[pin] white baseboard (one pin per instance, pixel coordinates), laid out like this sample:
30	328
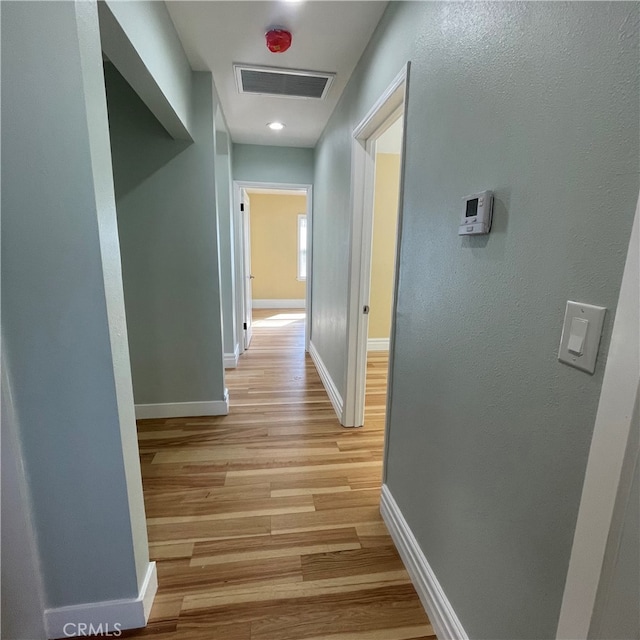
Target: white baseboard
183	409
104	618
231	359
434	600
378	344
327	381
279	304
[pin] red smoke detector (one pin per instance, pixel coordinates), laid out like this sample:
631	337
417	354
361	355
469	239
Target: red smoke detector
278	40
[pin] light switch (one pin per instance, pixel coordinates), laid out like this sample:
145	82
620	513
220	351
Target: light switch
577	335
581	335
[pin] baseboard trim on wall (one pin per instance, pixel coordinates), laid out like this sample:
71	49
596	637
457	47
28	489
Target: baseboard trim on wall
443	618
279	304
104	618
231	359
378	344
183	409
327	380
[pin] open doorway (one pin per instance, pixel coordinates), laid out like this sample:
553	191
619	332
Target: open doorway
376	187
386	197
274	222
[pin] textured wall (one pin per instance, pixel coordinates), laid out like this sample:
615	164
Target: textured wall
166	202
65	336
22	606
226	233
274	246
287	165
141	42
383	248
388	52
489	434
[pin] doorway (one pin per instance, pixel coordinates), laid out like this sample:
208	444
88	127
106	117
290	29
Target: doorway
386	198
273	270
387	116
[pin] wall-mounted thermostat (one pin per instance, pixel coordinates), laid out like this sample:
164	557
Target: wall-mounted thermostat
477	214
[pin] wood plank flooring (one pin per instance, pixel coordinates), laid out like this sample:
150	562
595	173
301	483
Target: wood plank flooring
265	523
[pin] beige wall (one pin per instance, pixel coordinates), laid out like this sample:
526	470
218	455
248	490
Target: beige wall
385	220
274	246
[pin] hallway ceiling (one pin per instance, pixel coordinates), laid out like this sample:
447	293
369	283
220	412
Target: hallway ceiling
327	36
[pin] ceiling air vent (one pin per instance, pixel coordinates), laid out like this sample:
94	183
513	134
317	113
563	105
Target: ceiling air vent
284	83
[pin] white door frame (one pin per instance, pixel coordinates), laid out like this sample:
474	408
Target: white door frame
238	185
606	456
391	104
247	285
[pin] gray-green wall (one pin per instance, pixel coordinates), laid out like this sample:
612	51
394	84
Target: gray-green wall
489	434
256	163
63	326
226	236
22	606
166	203
140	40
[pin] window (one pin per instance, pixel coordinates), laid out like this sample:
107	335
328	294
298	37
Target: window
302	247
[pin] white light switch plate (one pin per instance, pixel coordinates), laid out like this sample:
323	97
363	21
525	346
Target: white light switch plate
595	317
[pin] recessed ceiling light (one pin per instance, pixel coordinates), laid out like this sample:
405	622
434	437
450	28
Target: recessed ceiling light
276	126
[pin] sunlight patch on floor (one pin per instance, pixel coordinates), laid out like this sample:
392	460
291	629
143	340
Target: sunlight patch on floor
279	320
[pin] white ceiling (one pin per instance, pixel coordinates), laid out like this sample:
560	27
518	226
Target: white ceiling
327	36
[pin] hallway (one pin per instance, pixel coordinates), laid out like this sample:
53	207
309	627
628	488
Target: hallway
265	523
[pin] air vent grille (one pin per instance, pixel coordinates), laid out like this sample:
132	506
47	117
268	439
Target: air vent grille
284	83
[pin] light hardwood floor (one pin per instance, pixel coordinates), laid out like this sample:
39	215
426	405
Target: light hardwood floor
265	523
